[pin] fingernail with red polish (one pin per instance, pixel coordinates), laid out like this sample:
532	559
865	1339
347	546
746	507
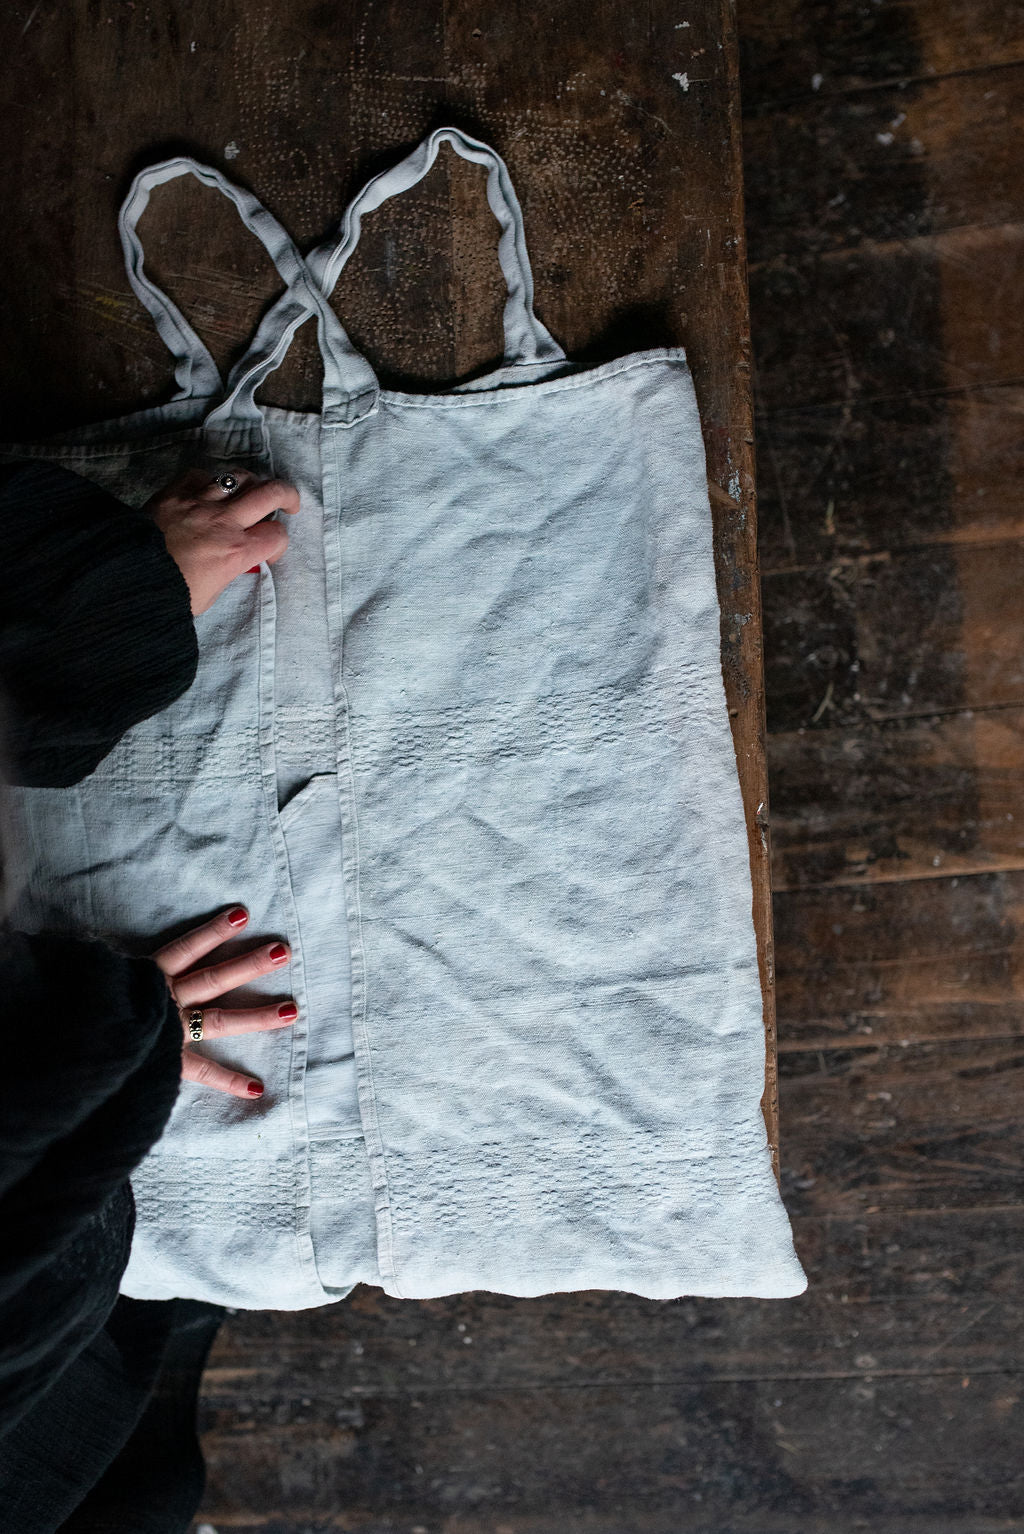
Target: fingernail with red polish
254	1089
238	917
254	571
278	953
289	1010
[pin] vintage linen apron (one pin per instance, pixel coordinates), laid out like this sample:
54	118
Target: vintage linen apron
467	748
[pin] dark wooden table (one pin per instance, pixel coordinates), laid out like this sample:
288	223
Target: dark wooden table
620	124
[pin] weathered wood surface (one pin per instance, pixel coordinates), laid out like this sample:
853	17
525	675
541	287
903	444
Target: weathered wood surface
937	796
690	1463
919	960
886	227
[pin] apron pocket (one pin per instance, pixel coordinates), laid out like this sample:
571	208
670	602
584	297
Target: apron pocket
311	825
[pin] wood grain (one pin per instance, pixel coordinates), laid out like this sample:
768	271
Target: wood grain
848	167
851	47
920	798
885	220
866	476
703	1457
896	634
932	958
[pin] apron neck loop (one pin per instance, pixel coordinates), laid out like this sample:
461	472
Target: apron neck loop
527	341
237	419
351	389
195	371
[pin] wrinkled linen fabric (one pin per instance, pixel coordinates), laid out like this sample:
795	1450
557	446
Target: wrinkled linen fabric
466	747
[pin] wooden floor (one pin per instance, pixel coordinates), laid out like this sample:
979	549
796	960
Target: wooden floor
885	211
886	238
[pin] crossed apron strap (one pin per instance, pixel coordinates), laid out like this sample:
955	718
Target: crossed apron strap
351	388
237	418
527	341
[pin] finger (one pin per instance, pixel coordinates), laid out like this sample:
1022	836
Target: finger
213	980
264	543
226	1022
208	1073
247	507
185	951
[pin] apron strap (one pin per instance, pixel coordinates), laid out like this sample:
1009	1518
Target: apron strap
195	371
229	425
527	341
351	389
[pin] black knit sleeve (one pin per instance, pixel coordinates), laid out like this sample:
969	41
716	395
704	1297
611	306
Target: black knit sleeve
96	627
92	1062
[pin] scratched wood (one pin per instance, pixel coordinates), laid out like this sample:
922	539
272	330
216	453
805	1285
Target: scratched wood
791	49
927	797
847	478
917	960
939	158
835	656
885	218
691	1463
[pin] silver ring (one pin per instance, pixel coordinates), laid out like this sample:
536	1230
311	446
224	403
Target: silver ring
194	1023
227	482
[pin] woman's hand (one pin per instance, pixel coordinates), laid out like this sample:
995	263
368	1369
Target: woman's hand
213	535
192	988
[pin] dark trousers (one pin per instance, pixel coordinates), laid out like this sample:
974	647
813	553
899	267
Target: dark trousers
112	1447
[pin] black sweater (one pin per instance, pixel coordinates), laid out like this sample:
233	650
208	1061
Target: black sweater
96	634
95	623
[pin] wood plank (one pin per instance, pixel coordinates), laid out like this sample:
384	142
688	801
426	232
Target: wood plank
901	800
905	1125
596	1523
710	1457
891	475
854	47
836	170
912	1293
874	320
894	635
937	959
889	425
824	1338
906	1259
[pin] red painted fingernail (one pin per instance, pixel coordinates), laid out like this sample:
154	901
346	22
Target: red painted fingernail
238	917
278	953
289	1010
255	1089
254	571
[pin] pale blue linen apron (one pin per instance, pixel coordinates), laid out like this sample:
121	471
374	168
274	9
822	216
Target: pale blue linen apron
467	748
